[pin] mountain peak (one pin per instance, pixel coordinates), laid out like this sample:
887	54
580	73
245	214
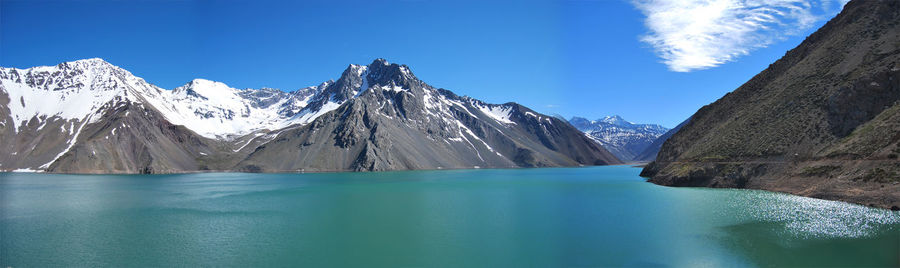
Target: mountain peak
578	118
615	120
379	61
356	79
354	71
382	65
85	64
580	123
89	60
382	72
202	88
201	81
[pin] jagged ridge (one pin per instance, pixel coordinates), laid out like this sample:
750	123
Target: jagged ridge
374	117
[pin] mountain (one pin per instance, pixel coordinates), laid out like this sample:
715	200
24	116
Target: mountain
623	139
649	153
89	116
823	121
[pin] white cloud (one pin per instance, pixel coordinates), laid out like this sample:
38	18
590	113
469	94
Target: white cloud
699	34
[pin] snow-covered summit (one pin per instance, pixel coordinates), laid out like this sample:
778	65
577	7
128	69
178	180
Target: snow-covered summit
213	109
615	120
72	90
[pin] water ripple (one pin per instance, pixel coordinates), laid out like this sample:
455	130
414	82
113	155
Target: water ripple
805	217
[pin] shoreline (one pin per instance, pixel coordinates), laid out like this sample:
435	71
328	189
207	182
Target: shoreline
299	172
841	183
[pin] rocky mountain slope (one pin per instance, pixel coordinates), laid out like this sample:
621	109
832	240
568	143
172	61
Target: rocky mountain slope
822	121
89	116
623	139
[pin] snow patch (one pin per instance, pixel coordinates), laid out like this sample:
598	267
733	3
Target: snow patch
308	116
499	113
393	88
249	141
71	143
363	73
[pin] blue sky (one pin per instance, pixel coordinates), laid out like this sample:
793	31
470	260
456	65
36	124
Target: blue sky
574	58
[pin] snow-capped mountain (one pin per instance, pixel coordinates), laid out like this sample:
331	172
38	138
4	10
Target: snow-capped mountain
91	116
383	118
624	139
74	90
68	91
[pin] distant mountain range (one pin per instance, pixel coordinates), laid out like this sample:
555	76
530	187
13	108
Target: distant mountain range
89	116
823	121
623	139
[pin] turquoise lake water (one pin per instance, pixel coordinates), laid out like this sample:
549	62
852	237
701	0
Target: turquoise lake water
595	216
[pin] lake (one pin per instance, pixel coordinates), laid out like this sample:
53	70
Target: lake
593	216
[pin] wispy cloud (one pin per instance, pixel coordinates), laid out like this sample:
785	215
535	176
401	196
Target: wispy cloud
699	34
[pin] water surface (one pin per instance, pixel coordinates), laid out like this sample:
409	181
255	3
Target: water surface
597	216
